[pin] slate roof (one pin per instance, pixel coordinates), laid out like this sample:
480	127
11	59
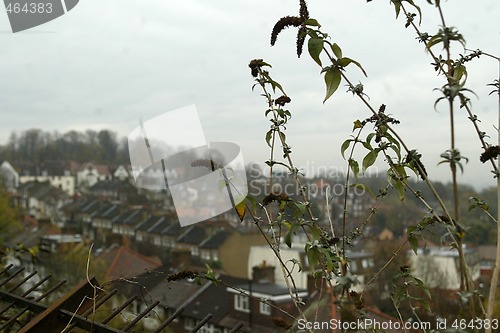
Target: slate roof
41	190
215	241
194	235
129	217
213	299
152	222
108	211
49	168
266	288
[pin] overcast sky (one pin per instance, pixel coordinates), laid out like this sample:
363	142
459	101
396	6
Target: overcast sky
106	63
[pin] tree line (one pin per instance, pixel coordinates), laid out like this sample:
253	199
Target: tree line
38	146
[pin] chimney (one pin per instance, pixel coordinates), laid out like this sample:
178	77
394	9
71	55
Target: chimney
181	258
263	273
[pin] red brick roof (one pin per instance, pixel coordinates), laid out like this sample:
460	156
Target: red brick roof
122	262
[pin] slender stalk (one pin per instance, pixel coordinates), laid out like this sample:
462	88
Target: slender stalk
496	270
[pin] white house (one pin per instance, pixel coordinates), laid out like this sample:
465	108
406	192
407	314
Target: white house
439	267
9	176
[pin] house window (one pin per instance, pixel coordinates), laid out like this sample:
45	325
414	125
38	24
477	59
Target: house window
205	254
354	266
209	328
189	323
242	303
265	309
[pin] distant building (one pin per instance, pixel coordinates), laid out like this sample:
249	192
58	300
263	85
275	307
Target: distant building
57	173
42	200
439	267
88	174
9	176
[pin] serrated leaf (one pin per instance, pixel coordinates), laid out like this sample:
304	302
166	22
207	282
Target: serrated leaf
344	147
337	50
315	46
369	159
332	80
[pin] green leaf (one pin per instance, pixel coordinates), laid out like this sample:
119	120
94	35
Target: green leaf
344	147
353	164
269	136
241	209
312	22
313	255
337	50
315	232
418	9
399	295
411	229
400	187
210	275
363	187
344	62
357	124
369	137
397	5
315	46
300	207
291	232
367	146
275	85
369	159
413	243
332	80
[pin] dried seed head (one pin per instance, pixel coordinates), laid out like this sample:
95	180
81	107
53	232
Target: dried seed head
490	153
281	101
304	13
284	22
281	323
